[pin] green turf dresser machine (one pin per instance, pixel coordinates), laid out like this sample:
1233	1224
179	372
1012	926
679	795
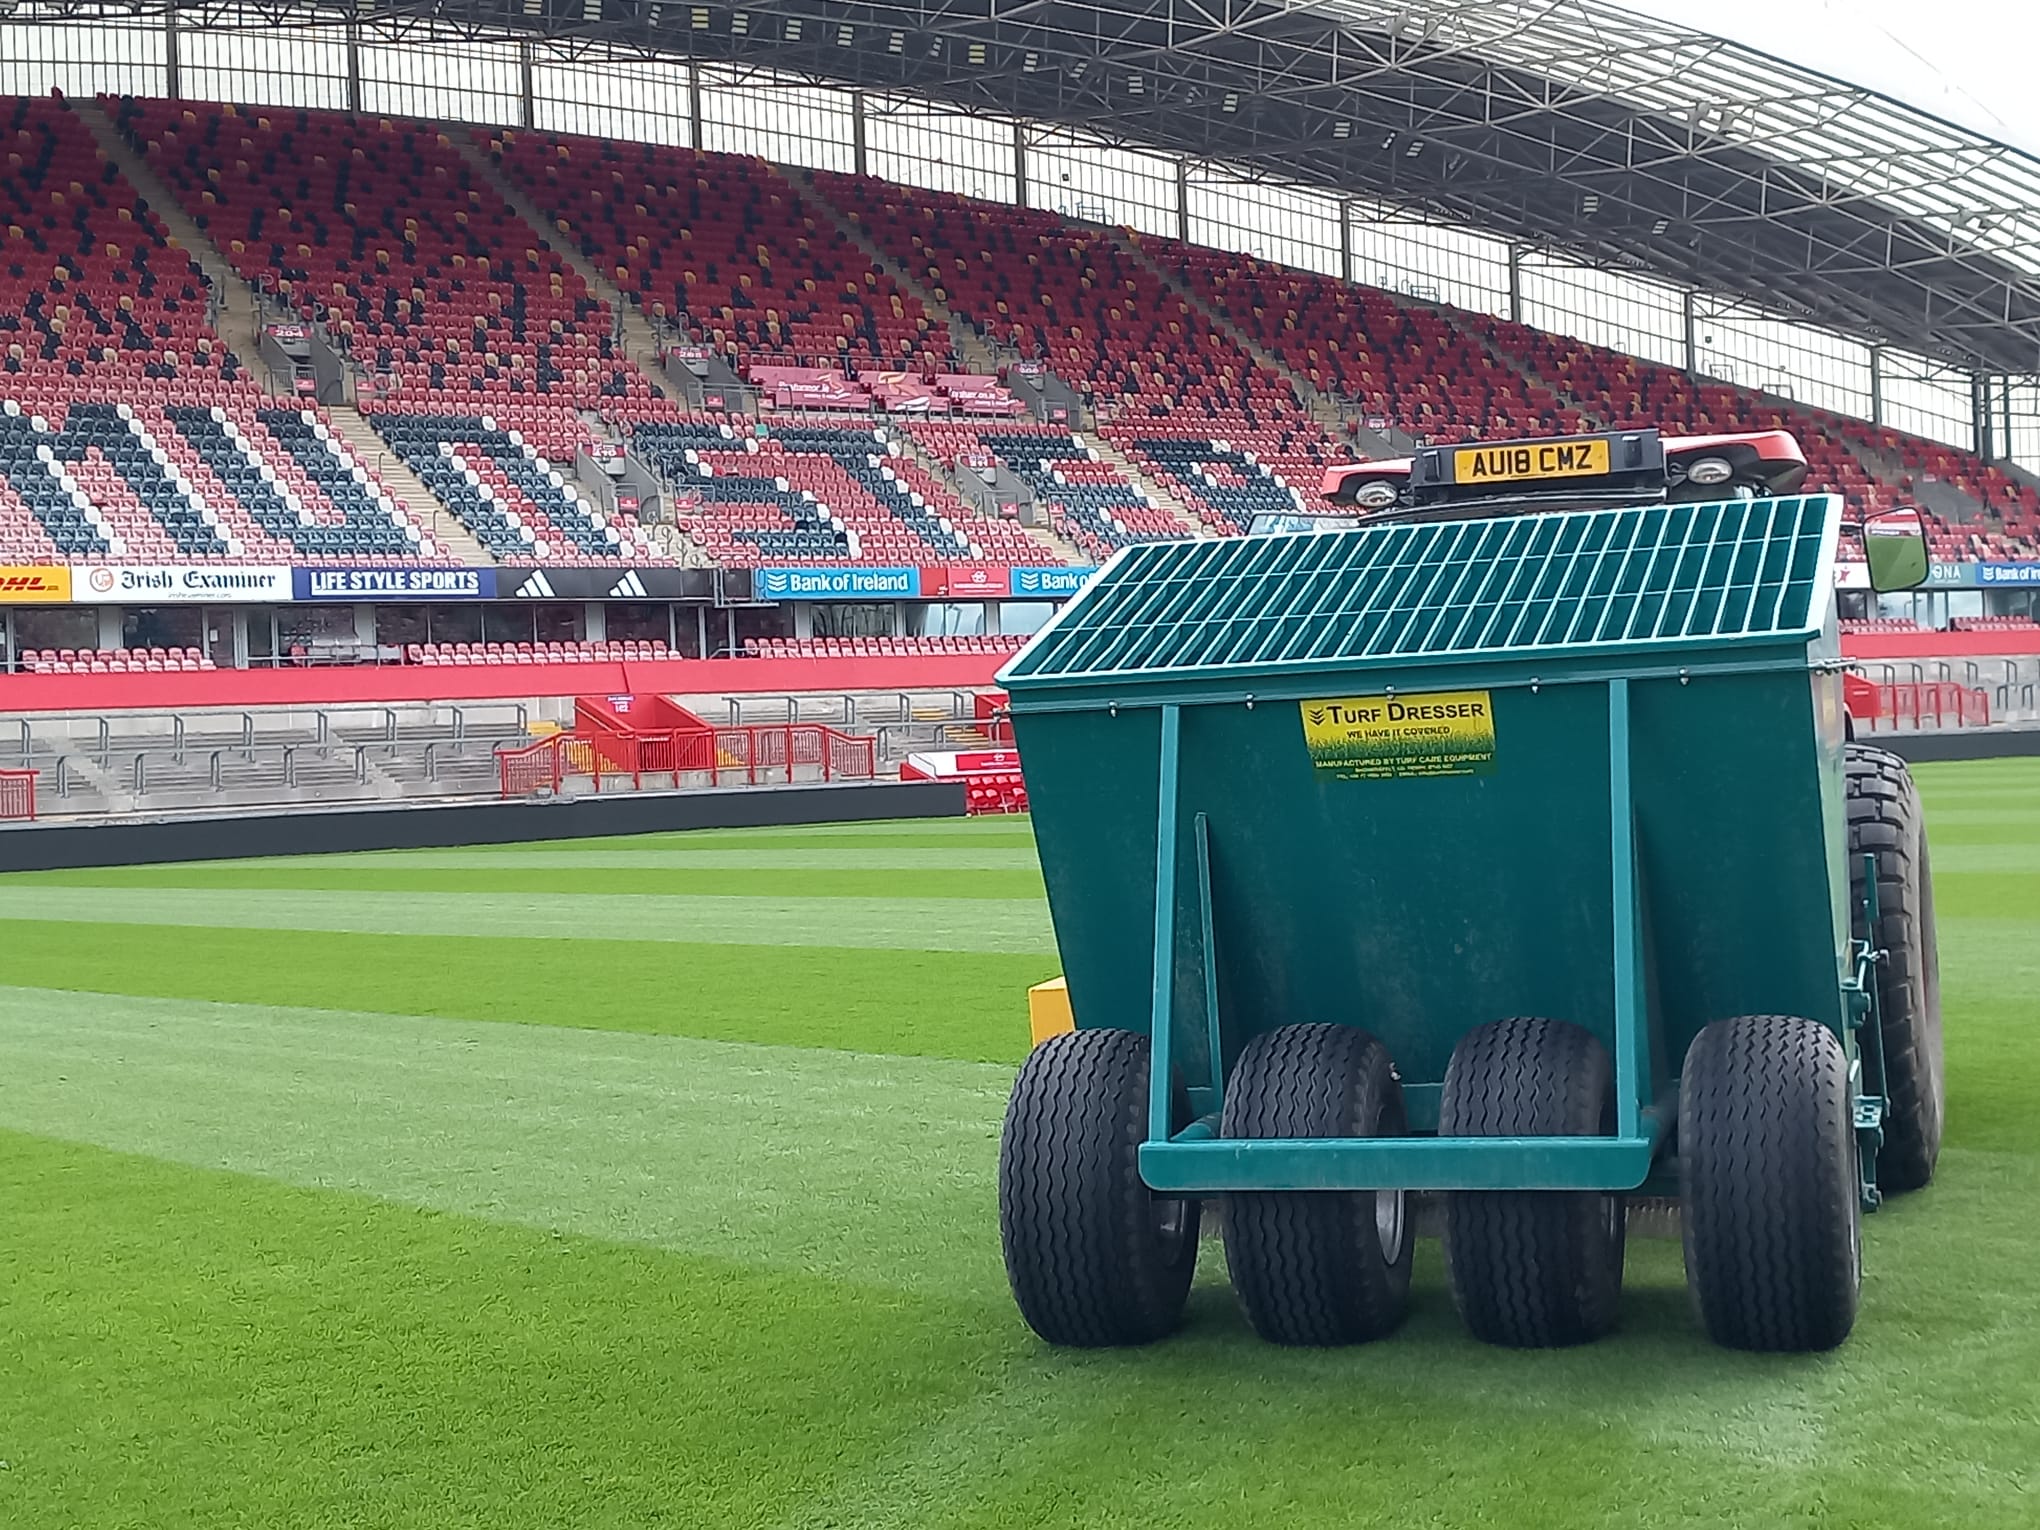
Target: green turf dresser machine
1510	847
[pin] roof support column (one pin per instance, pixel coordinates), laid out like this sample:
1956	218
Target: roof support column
858	160
1019	164
694	103
1691	336
1182	201
1515	283
353	65
1877	385
173	65
1979	415
527	85
1346	238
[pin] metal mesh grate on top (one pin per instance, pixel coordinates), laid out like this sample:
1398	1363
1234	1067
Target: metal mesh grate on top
1516	585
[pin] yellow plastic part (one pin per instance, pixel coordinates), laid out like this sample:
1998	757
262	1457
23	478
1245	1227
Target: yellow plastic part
1048	1010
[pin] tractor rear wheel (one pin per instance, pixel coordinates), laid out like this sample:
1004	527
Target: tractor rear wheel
1311	1266
1885	822
1768	1175
1094	1257
1532	1269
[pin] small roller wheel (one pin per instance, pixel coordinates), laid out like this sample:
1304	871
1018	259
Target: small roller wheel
1885	822
1094	1257
1317	1267
1769	1178
1532	1269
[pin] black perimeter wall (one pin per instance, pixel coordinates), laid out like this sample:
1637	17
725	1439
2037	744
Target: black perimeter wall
132	842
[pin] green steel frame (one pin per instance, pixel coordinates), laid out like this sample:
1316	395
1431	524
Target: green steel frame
1196	1161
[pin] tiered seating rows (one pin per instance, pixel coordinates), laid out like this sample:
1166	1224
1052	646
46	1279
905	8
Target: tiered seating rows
818	494
114	661
725	243
875	648
1089	501
469	654
383	230
378	228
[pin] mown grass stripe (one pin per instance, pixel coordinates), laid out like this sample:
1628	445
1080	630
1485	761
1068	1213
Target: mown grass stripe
969	1005
906	924
699	1146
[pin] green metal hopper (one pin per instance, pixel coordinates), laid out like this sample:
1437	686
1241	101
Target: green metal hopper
1420	778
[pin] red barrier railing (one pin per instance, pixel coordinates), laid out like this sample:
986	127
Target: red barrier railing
1918	704
17	795
755	751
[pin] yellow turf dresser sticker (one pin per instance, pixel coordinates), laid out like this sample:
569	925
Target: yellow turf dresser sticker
1373	738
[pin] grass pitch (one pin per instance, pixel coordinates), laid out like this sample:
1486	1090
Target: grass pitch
651	1182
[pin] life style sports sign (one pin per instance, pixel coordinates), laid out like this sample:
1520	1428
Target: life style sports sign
1377	738
393	584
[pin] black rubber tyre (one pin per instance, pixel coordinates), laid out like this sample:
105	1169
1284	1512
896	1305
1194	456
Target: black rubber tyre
1317	1267
1533	1269
1885	821
1094	1257
1773	1208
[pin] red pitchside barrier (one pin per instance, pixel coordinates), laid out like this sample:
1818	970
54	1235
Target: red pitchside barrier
1918	704
753	753
17	795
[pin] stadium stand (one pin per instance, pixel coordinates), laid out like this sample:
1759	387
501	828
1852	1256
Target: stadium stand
874	648
1073	297
377	228
1089	501
468	654
114	661
1994	624
510	497
821	493
1865	626
1384	359
725	244
128	430
1618	390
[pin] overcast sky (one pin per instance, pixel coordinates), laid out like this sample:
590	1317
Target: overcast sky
1974	62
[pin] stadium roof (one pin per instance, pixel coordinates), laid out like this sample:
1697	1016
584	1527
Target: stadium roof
1630	141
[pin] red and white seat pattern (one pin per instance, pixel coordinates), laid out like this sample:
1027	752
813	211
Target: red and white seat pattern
933	646
467	655
114	661
725	244
379	229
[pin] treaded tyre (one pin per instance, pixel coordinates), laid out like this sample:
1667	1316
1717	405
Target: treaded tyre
1094	1257
1310	1266
1885	821
1768	1176
1532	1269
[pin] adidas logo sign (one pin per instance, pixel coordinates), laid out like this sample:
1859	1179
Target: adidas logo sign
629	585
537	587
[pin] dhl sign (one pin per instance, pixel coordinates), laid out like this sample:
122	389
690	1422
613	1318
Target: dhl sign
34	586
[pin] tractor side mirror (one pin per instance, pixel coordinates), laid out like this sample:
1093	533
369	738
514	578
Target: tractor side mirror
1895	543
